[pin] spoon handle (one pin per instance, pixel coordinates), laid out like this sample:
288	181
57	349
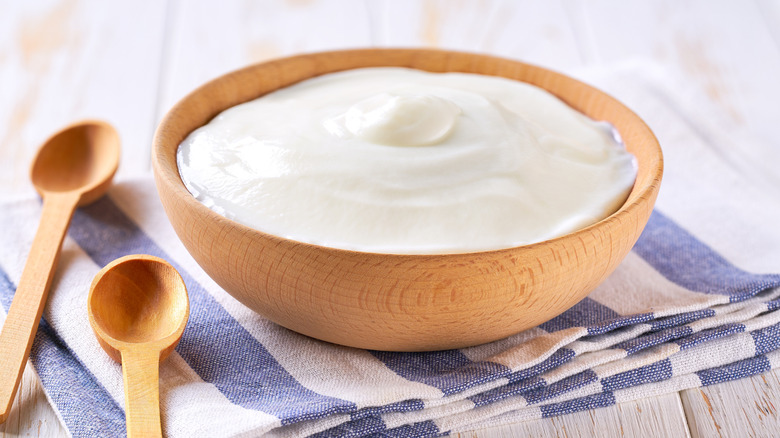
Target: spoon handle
141	371
29	300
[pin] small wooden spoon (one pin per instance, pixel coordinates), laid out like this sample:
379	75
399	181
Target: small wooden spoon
73	167
138	308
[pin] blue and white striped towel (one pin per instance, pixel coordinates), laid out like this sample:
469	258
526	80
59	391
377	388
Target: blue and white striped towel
683	310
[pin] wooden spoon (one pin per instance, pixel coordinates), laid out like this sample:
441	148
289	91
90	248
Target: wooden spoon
73	167
138	308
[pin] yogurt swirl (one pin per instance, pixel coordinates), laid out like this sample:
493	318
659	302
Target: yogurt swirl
397	120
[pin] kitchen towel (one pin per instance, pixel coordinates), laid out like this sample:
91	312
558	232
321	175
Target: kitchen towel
695	303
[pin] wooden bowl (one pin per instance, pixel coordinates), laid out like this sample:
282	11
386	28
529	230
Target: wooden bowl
401	302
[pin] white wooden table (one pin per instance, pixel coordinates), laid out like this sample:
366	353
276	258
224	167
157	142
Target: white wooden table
129	61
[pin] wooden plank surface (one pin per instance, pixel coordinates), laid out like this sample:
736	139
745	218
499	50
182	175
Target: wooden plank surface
61	60
31	414
523	29
259	30
747	407
727	55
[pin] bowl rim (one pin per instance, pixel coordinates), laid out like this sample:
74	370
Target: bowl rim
165	167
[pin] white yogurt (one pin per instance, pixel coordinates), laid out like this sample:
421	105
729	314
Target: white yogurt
395	160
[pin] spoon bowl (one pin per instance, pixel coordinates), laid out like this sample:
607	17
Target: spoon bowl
138	300
83	158
73	167
138	308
